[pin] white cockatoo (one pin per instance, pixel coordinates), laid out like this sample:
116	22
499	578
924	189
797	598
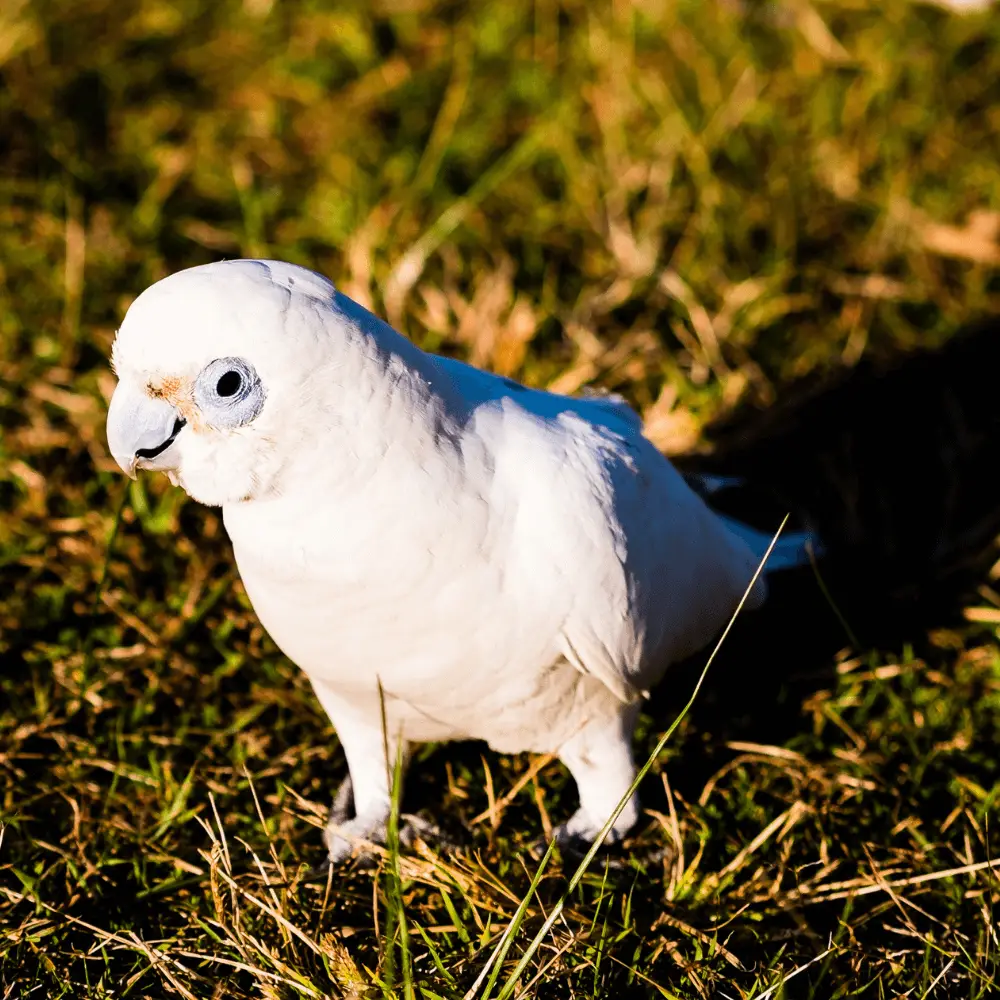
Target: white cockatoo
485	560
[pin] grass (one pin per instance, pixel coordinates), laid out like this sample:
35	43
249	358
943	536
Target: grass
697	205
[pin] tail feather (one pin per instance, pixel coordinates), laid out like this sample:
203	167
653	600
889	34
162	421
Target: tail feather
791	551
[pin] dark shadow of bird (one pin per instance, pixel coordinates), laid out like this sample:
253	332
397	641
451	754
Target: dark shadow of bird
893	464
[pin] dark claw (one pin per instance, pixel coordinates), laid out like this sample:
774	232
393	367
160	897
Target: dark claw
343	803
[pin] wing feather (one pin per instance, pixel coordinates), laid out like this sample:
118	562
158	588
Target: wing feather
606	532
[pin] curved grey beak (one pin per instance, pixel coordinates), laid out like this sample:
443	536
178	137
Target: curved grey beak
140	429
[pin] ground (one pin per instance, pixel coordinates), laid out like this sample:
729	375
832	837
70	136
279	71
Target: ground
698	205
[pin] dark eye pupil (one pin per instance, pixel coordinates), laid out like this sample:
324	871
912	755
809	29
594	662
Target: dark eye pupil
229	384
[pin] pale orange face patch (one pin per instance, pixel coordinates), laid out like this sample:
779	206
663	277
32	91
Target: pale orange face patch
178	392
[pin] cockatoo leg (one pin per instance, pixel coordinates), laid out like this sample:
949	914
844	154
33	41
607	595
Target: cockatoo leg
371	761
359	816
599	756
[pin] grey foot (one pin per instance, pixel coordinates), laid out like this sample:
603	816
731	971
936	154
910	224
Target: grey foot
577	834
348	836
361	836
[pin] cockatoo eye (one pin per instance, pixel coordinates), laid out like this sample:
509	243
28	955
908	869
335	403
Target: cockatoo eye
229	384
229	393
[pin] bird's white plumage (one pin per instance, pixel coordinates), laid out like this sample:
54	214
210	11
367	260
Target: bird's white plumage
507	564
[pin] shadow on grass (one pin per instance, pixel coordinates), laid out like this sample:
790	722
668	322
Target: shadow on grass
893	464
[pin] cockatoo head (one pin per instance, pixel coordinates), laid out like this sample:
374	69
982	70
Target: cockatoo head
216	368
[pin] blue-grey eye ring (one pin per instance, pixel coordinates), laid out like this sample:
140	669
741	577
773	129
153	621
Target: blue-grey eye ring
229	393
